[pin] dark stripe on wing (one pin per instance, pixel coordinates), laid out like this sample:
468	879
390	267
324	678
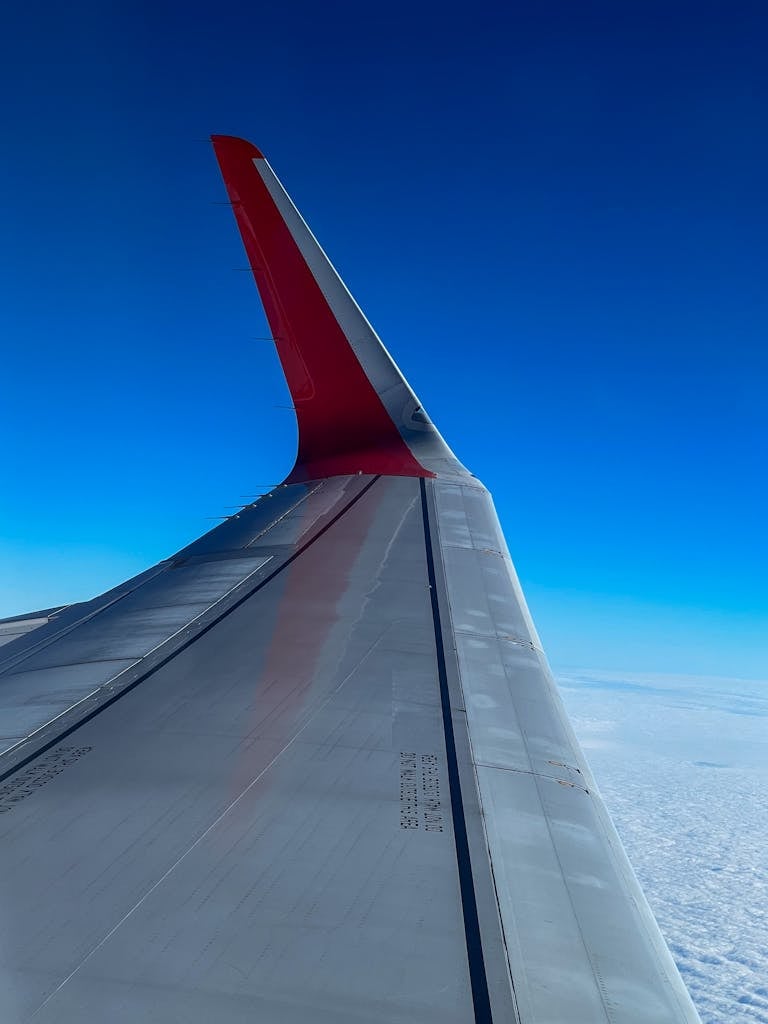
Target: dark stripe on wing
477	975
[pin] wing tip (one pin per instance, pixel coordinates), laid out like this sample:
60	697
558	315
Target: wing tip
345	427
232	145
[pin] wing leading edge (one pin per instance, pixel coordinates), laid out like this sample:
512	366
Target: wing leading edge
315	766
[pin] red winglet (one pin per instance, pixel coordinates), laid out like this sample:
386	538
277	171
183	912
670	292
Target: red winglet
343	424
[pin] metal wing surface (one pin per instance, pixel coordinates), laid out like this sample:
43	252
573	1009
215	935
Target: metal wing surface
314	766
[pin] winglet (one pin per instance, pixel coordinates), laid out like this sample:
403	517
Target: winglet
356	413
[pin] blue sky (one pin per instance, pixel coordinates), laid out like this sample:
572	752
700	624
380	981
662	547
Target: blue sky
554	214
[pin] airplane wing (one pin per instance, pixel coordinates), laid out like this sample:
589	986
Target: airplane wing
314	766
16	625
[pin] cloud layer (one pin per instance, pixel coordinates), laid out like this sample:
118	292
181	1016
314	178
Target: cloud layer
682	763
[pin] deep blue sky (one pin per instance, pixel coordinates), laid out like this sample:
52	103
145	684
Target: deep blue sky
554	214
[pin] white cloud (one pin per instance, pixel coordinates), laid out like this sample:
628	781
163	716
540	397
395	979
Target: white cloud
682	763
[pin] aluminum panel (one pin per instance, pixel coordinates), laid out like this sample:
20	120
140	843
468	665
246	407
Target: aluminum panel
69	618
579	949
118	633
199	584
250	522
582	943
488	607
59	683
514	717
58	677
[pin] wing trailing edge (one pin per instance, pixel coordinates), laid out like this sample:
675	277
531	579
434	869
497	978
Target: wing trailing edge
355	411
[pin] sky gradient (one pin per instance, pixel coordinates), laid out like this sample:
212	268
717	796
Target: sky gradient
555	219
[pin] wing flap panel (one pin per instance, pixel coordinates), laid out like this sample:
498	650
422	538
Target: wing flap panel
582	942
